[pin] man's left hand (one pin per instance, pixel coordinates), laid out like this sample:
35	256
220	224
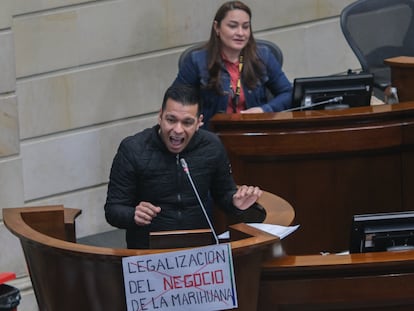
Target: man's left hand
246	196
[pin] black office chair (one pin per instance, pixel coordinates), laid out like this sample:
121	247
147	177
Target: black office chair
376	30
277	52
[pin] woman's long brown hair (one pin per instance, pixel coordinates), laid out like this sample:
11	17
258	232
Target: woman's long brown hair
252	65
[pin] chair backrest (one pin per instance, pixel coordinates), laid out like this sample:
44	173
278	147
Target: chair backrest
376	30
277	52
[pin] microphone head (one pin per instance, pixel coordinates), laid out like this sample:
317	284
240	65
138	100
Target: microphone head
184	165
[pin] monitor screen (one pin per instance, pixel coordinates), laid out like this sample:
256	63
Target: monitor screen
332	92
382	232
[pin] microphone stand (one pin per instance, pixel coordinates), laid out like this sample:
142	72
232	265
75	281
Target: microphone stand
187	171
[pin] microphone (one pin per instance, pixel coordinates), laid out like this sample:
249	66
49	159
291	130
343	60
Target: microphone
187	171
337	99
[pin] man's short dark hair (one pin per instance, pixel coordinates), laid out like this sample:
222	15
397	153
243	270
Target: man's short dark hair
184	94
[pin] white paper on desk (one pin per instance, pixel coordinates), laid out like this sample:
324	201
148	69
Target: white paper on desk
225	235
280	231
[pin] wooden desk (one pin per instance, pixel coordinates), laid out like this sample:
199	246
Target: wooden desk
402	76
329	165
363	282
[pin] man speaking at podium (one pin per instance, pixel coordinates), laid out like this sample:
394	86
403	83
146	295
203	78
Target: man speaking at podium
150	187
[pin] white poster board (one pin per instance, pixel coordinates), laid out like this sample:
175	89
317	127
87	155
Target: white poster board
192	279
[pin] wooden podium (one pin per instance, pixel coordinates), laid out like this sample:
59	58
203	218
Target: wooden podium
329	164
68	276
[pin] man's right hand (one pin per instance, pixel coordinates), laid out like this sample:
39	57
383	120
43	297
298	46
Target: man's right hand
145	212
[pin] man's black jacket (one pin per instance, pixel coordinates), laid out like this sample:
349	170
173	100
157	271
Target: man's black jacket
144	170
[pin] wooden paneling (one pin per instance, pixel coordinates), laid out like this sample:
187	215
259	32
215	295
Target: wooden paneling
380	281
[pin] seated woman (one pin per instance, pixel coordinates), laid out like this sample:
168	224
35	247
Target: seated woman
232	73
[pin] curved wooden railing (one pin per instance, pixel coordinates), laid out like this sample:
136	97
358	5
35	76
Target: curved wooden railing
71	276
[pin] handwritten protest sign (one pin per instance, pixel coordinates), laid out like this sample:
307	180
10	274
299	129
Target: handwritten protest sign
192	279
